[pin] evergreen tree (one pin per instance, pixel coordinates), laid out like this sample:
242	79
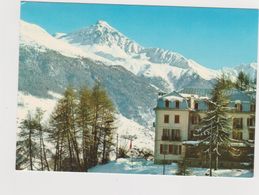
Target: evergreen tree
27	148
64	133
81	131
103	112
40	134
84	118
215	126
243	82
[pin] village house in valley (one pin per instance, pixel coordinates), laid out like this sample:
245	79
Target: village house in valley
179	113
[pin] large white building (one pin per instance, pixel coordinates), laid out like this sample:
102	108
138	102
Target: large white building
178	114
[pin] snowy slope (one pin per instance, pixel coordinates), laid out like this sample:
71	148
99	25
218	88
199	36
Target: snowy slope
249	69
145	137
35	36
104	43
107	42
103	35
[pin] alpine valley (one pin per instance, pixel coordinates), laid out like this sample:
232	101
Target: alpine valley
132	74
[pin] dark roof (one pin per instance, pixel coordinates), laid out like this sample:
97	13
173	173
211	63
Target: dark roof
234	94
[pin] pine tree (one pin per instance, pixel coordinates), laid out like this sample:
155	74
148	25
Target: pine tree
64	133
243	81
40	134
27	148
215	126
103	112
84	118
81	131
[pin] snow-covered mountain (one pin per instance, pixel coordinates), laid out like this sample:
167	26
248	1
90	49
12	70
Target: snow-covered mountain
249	69
131	73
34	36
103	35
107	42
101	42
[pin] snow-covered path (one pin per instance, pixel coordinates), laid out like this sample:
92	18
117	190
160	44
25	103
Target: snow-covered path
140	166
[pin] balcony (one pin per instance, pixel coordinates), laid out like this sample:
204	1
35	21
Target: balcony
175	138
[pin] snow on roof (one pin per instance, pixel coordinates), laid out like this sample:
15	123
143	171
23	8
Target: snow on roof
203	93
194	143
173	96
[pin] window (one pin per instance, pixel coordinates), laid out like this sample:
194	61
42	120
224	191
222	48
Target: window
195	119
170	149
252	108
251	135
167	104
250	122
163	149
196	106
165	135
175	135
239	107
177	104
175	149
166	118
176	119
237	135
238	123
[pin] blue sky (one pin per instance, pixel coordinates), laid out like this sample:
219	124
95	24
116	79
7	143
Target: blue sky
213	37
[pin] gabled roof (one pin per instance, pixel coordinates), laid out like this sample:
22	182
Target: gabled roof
173	96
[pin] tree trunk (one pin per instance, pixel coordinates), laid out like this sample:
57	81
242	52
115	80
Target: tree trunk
104	148
74	142
211	151
45	155
216	162
70	152
30	149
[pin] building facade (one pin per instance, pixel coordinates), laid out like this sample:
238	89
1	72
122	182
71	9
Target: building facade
179	113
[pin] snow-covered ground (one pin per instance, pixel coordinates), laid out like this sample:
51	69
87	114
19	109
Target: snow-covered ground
141	166
125	126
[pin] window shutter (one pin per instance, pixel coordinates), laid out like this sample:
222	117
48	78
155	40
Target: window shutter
161	148
248	122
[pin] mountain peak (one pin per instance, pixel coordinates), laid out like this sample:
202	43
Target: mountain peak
103	24
101	34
